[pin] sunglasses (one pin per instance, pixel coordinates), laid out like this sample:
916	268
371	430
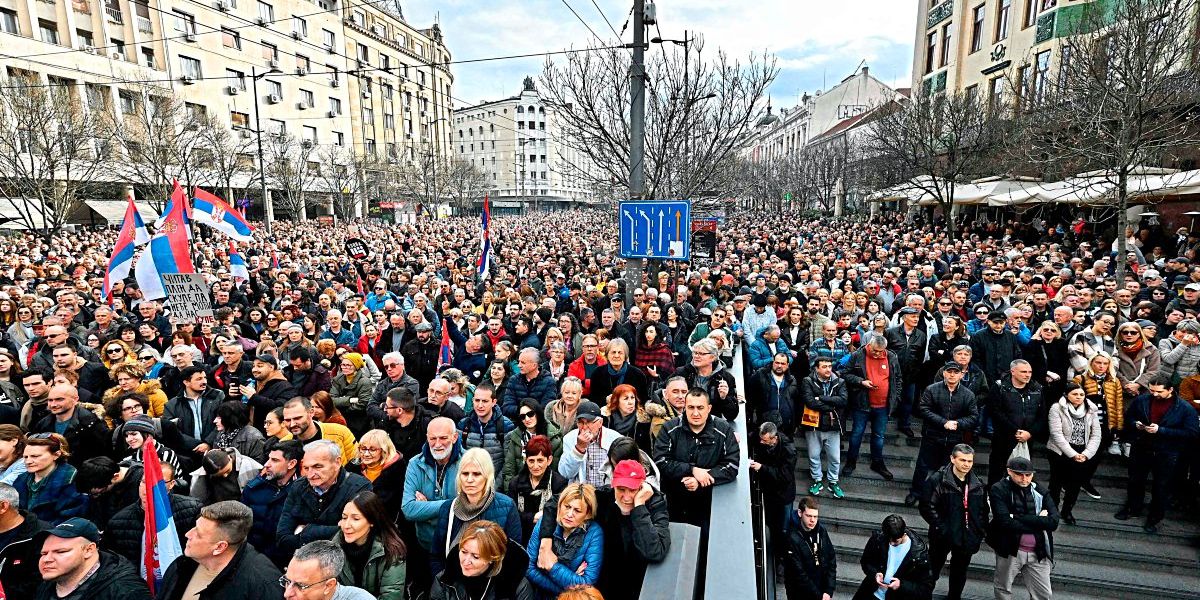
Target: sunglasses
526	415
114	351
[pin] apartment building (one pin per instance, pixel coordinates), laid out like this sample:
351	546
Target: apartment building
516	143
330	73
973	46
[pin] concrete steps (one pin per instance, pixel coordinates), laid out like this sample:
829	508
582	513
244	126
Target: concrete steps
1099	557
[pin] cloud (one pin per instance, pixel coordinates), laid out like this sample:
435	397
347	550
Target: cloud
814	41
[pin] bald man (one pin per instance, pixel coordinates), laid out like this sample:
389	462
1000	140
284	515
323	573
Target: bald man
86	434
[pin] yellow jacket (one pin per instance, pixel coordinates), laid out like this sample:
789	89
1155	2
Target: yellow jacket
343	437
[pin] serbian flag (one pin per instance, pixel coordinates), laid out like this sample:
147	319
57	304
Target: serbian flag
274	259
167	251
446	356
160	541
362	290
214	212
485	242
133	234
237	265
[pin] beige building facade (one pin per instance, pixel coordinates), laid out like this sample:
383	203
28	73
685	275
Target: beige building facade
354	76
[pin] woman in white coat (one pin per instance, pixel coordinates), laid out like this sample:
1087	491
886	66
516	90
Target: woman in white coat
1074	441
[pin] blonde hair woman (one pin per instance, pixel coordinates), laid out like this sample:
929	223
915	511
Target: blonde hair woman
576	508
477	500
130	378
1103	387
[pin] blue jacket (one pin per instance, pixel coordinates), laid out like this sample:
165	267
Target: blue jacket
473	365
318	514
490	437
265	500
503	512
57	499
763	352
588	547
422	477
543	388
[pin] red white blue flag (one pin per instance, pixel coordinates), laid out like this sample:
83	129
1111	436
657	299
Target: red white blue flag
237	265
168	251
160	541
133	234
446	356
216	213
485	242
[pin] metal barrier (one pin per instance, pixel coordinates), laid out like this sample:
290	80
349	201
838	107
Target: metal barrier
731	529
675	577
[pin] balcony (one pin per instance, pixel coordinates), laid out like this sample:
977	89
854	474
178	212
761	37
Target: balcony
144	26
114	14
82	6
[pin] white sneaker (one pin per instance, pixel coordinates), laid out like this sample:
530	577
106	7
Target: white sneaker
1125	449
1114	449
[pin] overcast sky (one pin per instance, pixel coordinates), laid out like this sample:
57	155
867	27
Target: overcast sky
817	42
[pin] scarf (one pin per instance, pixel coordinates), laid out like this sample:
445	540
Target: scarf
617	377
1131	349
226	439
622	424
466	512
1078	423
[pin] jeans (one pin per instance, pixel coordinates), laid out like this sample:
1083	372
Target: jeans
908	397
879	419
1066	477
829	442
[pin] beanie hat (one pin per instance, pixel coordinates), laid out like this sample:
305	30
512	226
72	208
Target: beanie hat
355	359
142	423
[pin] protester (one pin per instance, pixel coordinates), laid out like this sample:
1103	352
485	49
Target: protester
18	551
314	503
47	487
872	375
218	563
896	563
267	494
948	410
375	554
954	503
477	499
73	566
824	397
313	573
484	560
576	552
1075	437
810	562
1021	531
693	455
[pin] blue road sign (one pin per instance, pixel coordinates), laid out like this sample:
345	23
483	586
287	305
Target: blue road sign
656	229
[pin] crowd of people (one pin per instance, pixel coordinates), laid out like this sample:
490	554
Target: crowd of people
317	442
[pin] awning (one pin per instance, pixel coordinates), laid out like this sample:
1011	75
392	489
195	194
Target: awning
113	211
912	191
20	213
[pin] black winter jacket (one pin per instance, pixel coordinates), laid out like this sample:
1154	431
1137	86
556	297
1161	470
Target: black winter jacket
318	514
942	507
1017	409
806	578
828	398
1177	429
777	475
124	532
909	349
116	579
19	574
249	576
916	578
938	405
1014	514
726	407
993	352
86	435
763	397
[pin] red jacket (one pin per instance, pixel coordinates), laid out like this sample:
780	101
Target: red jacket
578	369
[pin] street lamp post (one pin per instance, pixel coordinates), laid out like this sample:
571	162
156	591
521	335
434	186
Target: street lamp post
262	167
435	155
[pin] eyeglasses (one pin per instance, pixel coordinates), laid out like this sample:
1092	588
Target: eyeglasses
146	357
286	583
367	450
114	351
392	365
1130	333
526	415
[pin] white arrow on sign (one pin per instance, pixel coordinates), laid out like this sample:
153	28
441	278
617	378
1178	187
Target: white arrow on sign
646	249
632	229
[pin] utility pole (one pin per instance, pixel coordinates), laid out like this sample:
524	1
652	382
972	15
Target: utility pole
637	134
268	209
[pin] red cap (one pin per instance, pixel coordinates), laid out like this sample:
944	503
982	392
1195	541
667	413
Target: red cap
629	474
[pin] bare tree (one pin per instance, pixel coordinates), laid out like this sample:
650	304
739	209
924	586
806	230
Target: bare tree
351	179
52	148
824	169
225	156
463	183
161	140
1125	96
934	142
290	171
698	113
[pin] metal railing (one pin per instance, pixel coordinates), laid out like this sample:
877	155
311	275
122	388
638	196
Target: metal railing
144	26
114	14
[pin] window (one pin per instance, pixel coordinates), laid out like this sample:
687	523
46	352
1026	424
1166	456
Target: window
8	21
389	122
190	66
329	38
49	31
183	22
128	101
972	95
977	16
930	51
307	98
359	18
1025	84
300	26
230	38
310	134
276	127
325	4
266	12
1003	12
369	115
520	109
996	94
520	124
239	119
302	62
364	53
195	112
236	79
386	89
85	37
148	58
274	87
1031	11
947	37
1041	73
270	52
542	125
339	139
335	106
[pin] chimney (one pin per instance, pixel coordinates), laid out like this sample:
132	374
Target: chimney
865	71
